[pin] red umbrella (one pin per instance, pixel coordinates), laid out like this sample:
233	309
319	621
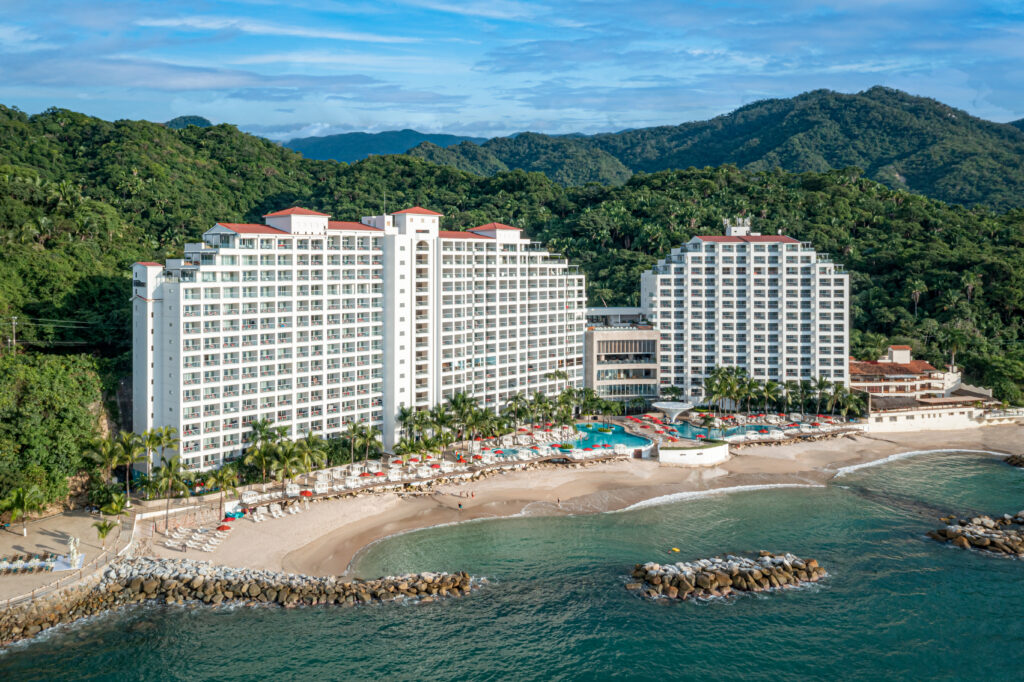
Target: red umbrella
548	430
478	456
306	493
701	435
815	424
426	457
435	466
485	448
606	445
499	452
478	438
365	474
525	430
534	447
588	448
548	424
380	473
782	414
763	431
821	416
227	519
396	461
224	527
414	459
461	461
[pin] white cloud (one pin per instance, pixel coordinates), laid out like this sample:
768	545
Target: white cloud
17	39
268	29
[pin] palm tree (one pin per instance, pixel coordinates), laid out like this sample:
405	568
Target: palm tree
20	502
971	282
353	432
370	436
116	506
263	431
916	288
749	388
286	463
820	388
260	455
131	449
168	440
150	440
407	418
311	452
405	447
226	479
170	479
103	529
100	451
771	392
954	339
517	407
792	394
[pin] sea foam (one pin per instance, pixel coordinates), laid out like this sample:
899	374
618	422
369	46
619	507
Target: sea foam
842	471
695	494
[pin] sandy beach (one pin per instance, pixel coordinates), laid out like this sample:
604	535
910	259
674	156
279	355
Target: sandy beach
324	539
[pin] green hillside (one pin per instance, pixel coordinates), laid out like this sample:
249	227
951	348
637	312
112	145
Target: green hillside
903	141
350	147
83	198
180	122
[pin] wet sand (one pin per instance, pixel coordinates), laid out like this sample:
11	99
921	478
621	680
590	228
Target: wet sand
324	539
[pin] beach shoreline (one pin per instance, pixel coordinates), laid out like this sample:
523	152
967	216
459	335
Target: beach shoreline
328	537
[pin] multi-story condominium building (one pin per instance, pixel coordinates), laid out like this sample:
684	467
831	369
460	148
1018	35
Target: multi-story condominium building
313	323
620	354
767	303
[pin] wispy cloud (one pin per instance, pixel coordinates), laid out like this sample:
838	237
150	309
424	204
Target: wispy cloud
210	23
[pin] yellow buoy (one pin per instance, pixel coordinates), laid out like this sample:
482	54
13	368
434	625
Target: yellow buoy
675	549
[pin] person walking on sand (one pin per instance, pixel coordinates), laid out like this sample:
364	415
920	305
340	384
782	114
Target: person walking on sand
460	506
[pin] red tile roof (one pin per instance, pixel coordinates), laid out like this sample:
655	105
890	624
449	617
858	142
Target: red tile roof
495	226
347	225
455	234
752	238
294	210
418	210
869	369
148	263
900	347
250	228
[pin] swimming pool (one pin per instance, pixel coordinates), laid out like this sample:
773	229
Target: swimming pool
592	438
687	430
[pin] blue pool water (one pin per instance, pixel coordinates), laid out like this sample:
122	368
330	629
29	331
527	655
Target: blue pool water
687	430
618	436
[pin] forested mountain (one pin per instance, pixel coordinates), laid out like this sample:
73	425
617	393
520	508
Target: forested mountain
350	147
180	122
906	142
82	198
568	160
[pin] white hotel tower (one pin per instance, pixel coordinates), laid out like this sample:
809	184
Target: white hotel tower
313	323
767	303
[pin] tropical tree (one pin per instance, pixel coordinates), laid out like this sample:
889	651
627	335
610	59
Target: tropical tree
954	339
353	432
21	502
103	529
261	456
226	480
407	418
771	392
820	389
149	440
170	479
286	463
167	437
116	506
100	451
916	287
311	452
369	437
971	282
131	449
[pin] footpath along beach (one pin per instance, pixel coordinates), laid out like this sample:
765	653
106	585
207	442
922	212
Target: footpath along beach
325	539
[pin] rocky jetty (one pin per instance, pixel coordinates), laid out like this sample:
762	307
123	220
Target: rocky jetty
1015	460
186	581
985	533
722	576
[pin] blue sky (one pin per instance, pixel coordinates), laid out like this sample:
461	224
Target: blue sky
491	67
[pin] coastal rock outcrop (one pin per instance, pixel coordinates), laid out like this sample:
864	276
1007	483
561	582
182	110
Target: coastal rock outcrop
990	534
722	576
1015	460
186	581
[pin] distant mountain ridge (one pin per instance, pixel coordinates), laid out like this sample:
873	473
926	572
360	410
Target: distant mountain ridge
349	147
905	141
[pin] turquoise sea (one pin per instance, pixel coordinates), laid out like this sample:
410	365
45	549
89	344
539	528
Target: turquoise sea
897	605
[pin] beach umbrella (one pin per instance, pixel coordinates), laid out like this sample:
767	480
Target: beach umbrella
478	438
227	519
460	460
548	430
499	452
224	526
815	424
380	473
435	465
478	456
306	493
414	459
588	448
821	416
782	414
365	474
763	431
533	447
548	424
607	445
397	461
426	457
701	435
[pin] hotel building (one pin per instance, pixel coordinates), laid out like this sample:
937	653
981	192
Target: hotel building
767	303
313	323
620	351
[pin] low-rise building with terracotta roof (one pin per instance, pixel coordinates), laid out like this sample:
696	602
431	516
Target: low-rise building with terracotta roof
899	374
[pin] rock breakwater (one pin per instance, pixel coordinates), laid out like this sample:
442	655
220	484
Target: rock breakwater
985	533
1015	460
186	581
722	576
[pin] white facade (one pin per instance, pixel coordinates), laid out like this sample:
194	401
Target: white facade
767	303
313	323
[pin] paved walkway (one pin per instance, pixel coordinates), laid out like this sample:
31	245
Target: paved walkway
51	535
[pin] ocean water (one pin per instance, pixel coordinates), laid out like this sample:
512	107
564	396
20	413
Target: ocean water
897	605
